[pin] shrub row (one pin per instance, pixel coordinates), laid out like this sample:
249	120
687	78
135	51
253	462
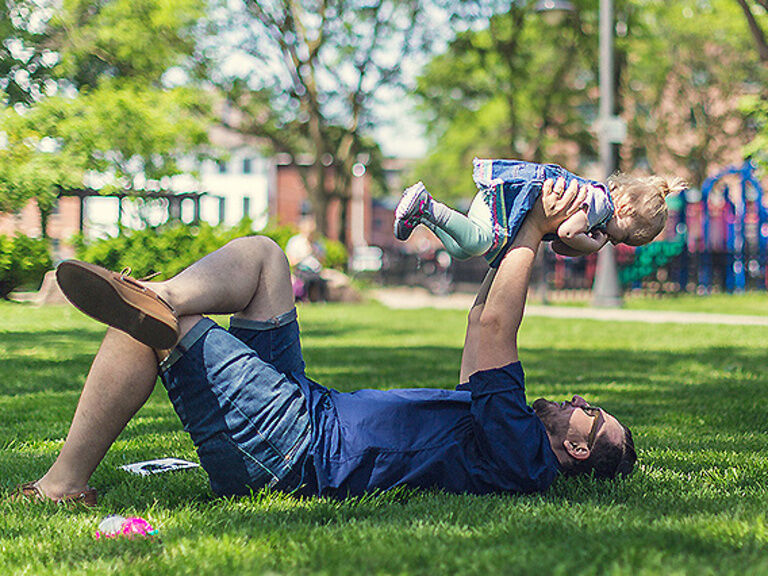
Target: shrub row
165	250
23	262
169	249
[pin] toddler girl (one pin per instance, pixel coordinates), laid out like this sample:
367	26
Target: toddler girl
625	209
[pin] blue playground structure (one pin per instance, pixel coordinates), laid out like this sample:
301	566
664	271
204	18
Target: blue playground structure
715	243
746	231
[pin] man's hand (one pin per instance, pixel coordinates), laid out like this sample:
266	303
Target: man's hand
557	203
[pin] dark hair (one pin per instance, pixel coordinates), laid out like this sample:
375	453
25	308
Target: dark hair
607	460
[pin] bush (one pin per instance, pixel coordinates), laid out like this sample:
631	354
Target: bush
169	249
280	234
336	255
166	250
23	261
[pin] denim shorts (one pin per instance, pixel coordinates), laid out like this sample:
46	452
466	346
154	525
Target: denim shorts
236	394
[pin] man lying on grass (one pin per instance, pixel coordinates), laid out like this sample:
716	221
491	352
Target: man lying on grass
257	420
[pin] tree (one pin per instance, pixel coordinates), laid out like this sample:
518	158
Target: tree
521	88
123	121
754	12
689	68
135	40
756	106
26	62
34	166
509	86
322	67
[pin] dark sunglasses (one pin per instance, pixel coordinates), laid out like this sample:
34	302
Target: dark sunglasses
597	419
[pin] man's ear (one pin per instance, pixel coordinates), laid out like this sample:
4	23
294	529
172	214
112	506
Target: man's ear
577	450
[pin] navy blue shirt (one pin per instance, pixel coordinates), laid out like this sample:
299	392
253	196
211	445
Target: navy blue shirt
480	438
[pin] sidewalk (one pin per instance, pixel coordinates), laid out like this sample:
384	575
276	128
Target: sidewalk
408	298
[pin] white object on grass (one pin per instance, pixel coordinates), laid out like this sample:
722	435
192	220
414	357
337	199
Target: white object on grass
149	467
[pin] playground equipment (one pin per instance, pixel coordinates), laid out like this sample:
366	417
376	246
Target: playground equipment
732	232
718	242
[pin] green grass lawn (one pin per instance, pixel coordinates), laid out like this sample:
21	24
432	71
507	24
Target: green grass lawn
749	303
695	398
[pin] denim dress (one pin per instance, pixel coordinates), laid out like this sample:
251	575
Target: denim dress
510	188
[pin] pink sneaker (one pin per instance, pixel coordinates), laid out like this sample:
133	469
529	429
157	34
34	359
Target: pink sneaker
414	203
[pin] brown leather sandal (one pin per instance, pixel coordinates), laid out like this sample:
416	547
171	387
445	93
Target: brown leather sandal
31	491
119	301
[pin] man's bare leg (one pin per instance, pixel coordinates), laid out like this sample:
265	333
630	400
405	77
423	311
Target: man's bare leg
121	379
226	281
248	277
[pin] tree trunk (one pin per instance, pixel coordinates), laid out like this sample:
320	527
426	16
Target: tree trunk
343	218
44	216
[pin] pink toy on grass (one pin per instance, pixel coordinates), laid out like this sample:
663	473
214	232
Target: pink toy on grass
116	525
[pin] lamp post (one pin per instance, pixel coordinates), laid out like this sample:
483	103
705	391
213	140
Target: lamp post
606	290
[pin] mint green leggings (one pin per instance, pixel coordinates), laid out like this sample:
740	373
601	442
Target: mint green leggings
464	236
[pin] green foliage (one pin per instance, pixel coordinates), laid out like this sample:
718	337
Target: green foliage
510	86
23	260
336	255
280	234
127	39
138	135
687	65
756	109
170	248
166	250
32	166
26	60
124	122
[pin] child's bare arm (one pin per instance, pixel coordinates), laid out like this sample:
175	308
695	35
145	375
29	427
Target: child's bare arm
560	247
586	243
574	225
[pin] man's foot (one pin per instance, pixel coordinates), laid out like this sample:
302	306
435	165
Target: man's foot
119	301
414	203
30	491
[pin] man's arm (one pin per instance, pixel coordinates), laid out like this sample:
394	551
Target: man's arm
495	317
471	339
503	311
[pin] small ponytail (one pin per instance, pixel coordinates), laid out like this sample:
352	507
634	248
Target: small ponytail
673	186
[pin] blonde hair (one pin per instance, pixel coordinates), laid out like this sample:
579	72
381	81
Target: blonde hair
642	201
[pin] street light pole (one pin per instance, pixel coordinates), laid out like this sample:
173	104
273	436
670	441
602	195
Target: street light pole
606	290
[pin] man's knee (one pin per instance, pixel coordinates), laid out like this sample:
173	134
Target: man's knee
260	248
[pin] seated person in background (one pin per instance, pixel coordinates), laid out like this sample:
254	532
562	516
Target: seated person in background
304	254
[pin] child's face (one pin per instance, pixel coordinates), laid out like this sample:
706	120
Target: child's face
618	229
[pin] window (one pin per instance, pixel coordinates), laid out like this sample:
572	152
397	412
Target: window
222	166
246	207
247	166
